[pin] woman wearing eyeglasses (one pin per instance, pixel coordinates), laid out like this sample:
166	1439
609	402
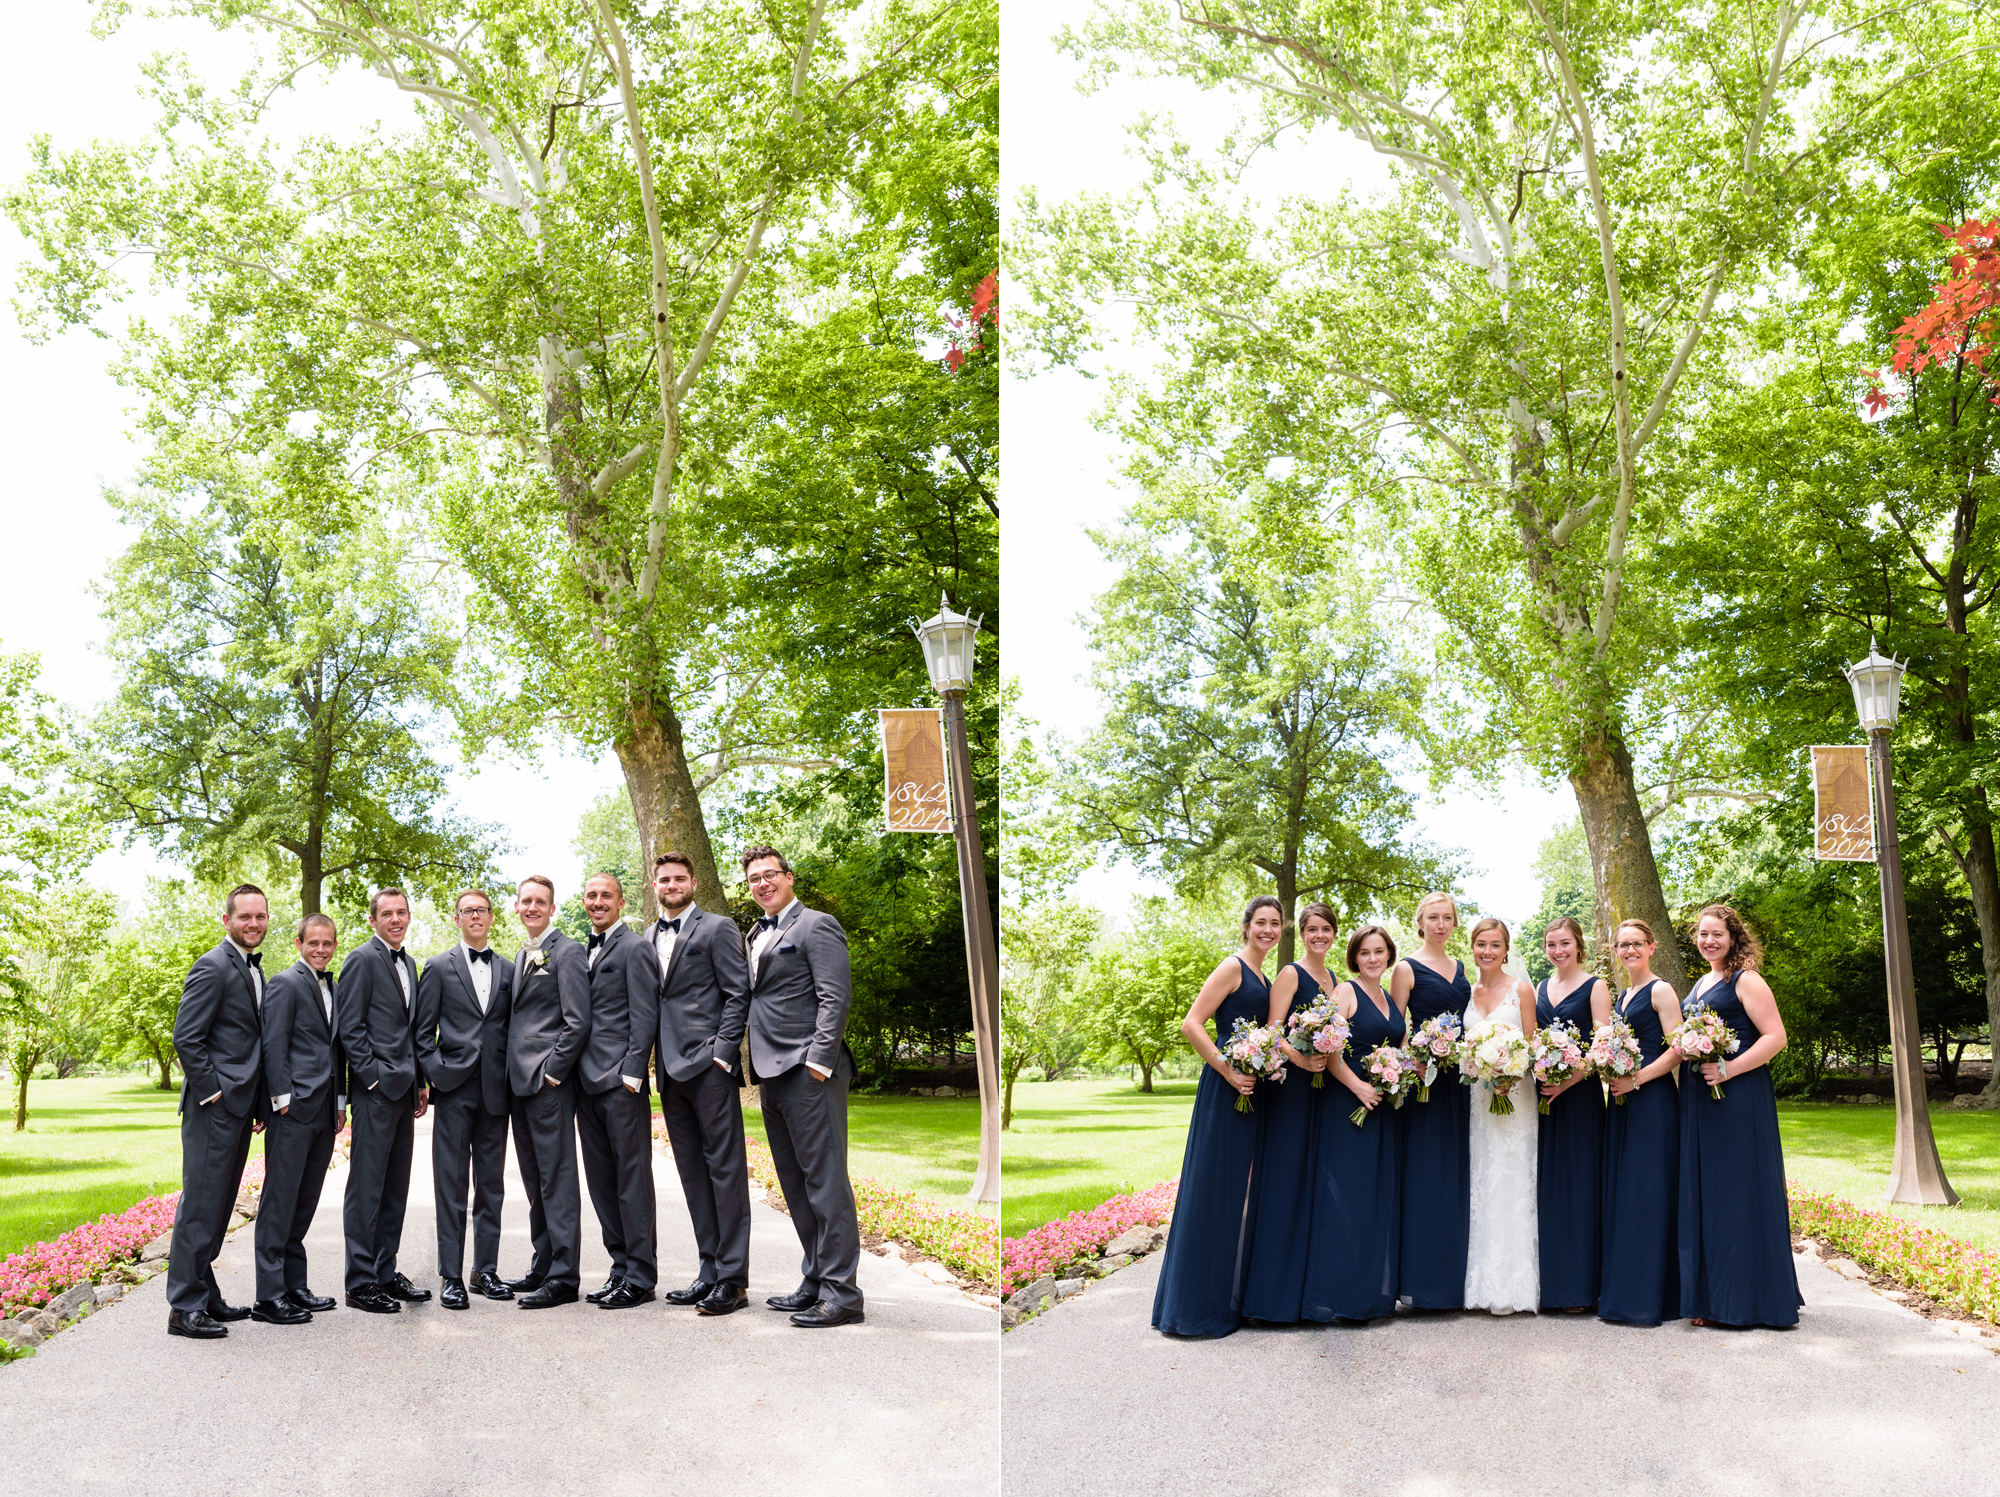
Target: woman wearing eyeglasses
1639	1283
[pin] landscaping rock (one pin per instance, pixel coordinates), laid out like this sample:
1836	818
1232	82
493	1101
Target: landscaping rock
1135	1241
246	1204
1034	1297
1010	1317
947	1091
1848	1268
20	1333
42	1321
110	1293
71	1300
1066	1287
1104	1266
156	1250
937	1273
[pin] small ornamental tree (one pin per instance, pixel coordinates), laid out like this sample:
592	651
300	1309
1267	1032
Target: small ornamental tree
1957	328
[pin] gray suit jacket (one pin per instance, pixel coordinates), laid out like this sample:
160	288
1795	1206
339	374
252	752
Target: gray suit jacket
378	1033
624	1011
549	1018
217	1033
455	1041
302	1056
799	997
704	996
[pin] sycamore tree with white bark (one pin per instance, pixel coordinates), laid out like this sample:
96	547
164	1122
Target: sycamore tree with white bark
547	306
1578	199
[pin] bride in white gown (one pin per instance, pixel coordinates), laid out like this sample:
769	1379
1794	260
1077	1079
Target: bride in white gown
1502	1265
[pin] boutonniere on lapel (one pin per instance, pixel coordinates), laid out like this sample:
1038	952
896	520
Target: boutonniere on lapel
538	958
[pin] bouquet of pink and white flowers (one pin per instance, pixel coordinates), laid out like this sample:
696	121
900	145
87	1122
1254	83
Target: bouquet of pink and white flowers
1614	1051
1555	1054
1318	1029
1435	1044
1498	1055
1392	1071
1704	1035
1253	1050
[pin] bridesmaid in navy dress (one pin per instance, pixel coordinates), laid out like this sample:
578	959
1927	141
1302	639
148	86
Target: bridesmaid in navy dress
1437	1159
1208	1249
1640	1282
1570	1166
1275	1284
1355	1242
1735	1223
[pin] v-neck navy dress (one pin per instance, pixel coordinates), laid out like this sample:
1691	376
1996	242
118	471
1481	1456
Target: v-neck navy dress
1275	1283
1208	1247
1352	1250
1569	1169
1735	1221
1639	1282
1437	1161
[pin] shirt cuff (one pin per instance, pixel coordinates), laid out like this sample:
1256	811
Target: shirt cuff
373	1084
630	1081
820	1071
723	1064
340	1104
281	1103
206	1100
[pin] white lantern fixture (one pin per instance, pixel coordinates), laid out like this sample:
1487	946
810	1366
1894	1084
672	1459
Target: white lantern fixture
948	639
1878	688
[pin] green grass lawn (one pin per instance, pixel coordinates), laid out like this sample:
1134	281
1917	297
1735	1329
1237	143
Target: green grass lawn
93	1144
1075	1143
929	1145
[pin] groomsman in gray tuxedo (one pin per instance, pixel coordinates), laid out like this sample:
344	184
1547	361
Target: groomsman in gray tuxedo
799	997
614	1121
218	1036
304	1076
462	1011
545	1037
374	1008
704	1000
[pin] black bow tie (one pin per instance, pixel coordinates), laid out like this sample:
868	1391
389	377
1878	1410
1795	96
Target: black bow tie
767	922
485	954
673	925
595	941
256	959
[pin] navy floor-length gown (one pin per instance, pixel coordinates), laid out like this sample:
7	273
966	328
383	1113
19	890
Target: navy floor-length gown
1208	1247
1640	1282
1735	1223
1437	1161
1353	1247
1274	1284
1570	1169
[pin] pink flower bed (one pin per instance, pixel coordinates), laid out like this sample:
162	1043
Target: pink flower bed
1081	1234
1948	1270
36	1275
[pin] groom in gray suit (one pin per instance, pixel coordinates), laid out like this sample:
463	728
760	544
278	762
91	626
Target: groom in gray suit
545	1038
704	1001
799	997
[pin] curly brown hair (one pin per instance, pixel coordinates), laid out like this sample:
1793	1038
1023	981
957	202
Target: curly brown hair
1746	952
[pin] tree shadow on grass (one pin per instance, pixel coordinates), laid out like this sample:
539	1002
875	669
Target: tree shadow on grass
13	1165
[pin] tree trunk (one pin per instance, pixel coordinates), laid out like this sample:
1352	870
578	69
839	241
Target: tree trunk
1007	1103
1288	894
1626	877
166	1065
1145	1076
665	802
1982	878
25	1062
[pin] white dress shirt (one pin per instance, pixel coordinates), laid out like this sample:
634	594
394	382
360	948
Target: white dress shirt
482	977
664	941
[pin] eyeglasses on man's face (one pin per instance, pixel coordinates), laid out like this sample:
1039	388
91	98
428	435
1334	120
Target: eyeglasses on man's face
758	880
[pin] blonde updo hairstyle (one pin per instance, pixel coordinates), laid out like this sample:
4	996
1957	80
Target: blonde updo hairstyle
1436	896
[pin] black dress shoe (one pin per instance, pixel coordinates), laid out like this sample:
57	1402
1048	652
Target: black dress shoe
370	1297
451	1294
798	1299
305	1299
596	1296
547	1295
527	1283
723	1299
625	1296
279	1311
489	1285
694	1294
401	1288
217	1310
194	1323
822	1315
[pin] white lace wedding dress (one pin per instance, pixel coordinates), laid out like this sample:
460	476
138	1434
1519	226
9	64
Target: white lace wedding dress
1502	1265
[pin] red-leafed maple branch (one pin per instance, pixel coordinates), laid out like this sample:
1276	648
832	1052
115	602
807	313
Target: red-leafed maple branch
968	332
1959	325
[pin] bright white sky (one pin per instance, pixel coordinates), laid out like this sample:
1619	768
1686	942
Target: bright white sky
1062	472
63	423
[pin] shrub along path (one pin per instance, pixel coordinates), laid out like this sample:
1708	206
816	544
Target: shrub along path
497	1399
1859	1397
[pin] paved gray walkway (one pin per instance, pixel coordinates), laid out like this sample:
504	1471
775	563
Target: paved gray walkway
1864	1396
495	1400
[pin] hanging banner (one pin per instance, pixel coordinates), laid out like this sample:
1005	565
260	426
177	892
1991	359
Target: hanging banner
913	795
1843	813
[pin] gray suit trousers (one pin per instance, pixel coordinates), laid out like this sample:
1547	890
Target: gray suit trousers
615	1129
806	1121
704	1118
545	1149
467	1140
378	1184
214	1144
298	1146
